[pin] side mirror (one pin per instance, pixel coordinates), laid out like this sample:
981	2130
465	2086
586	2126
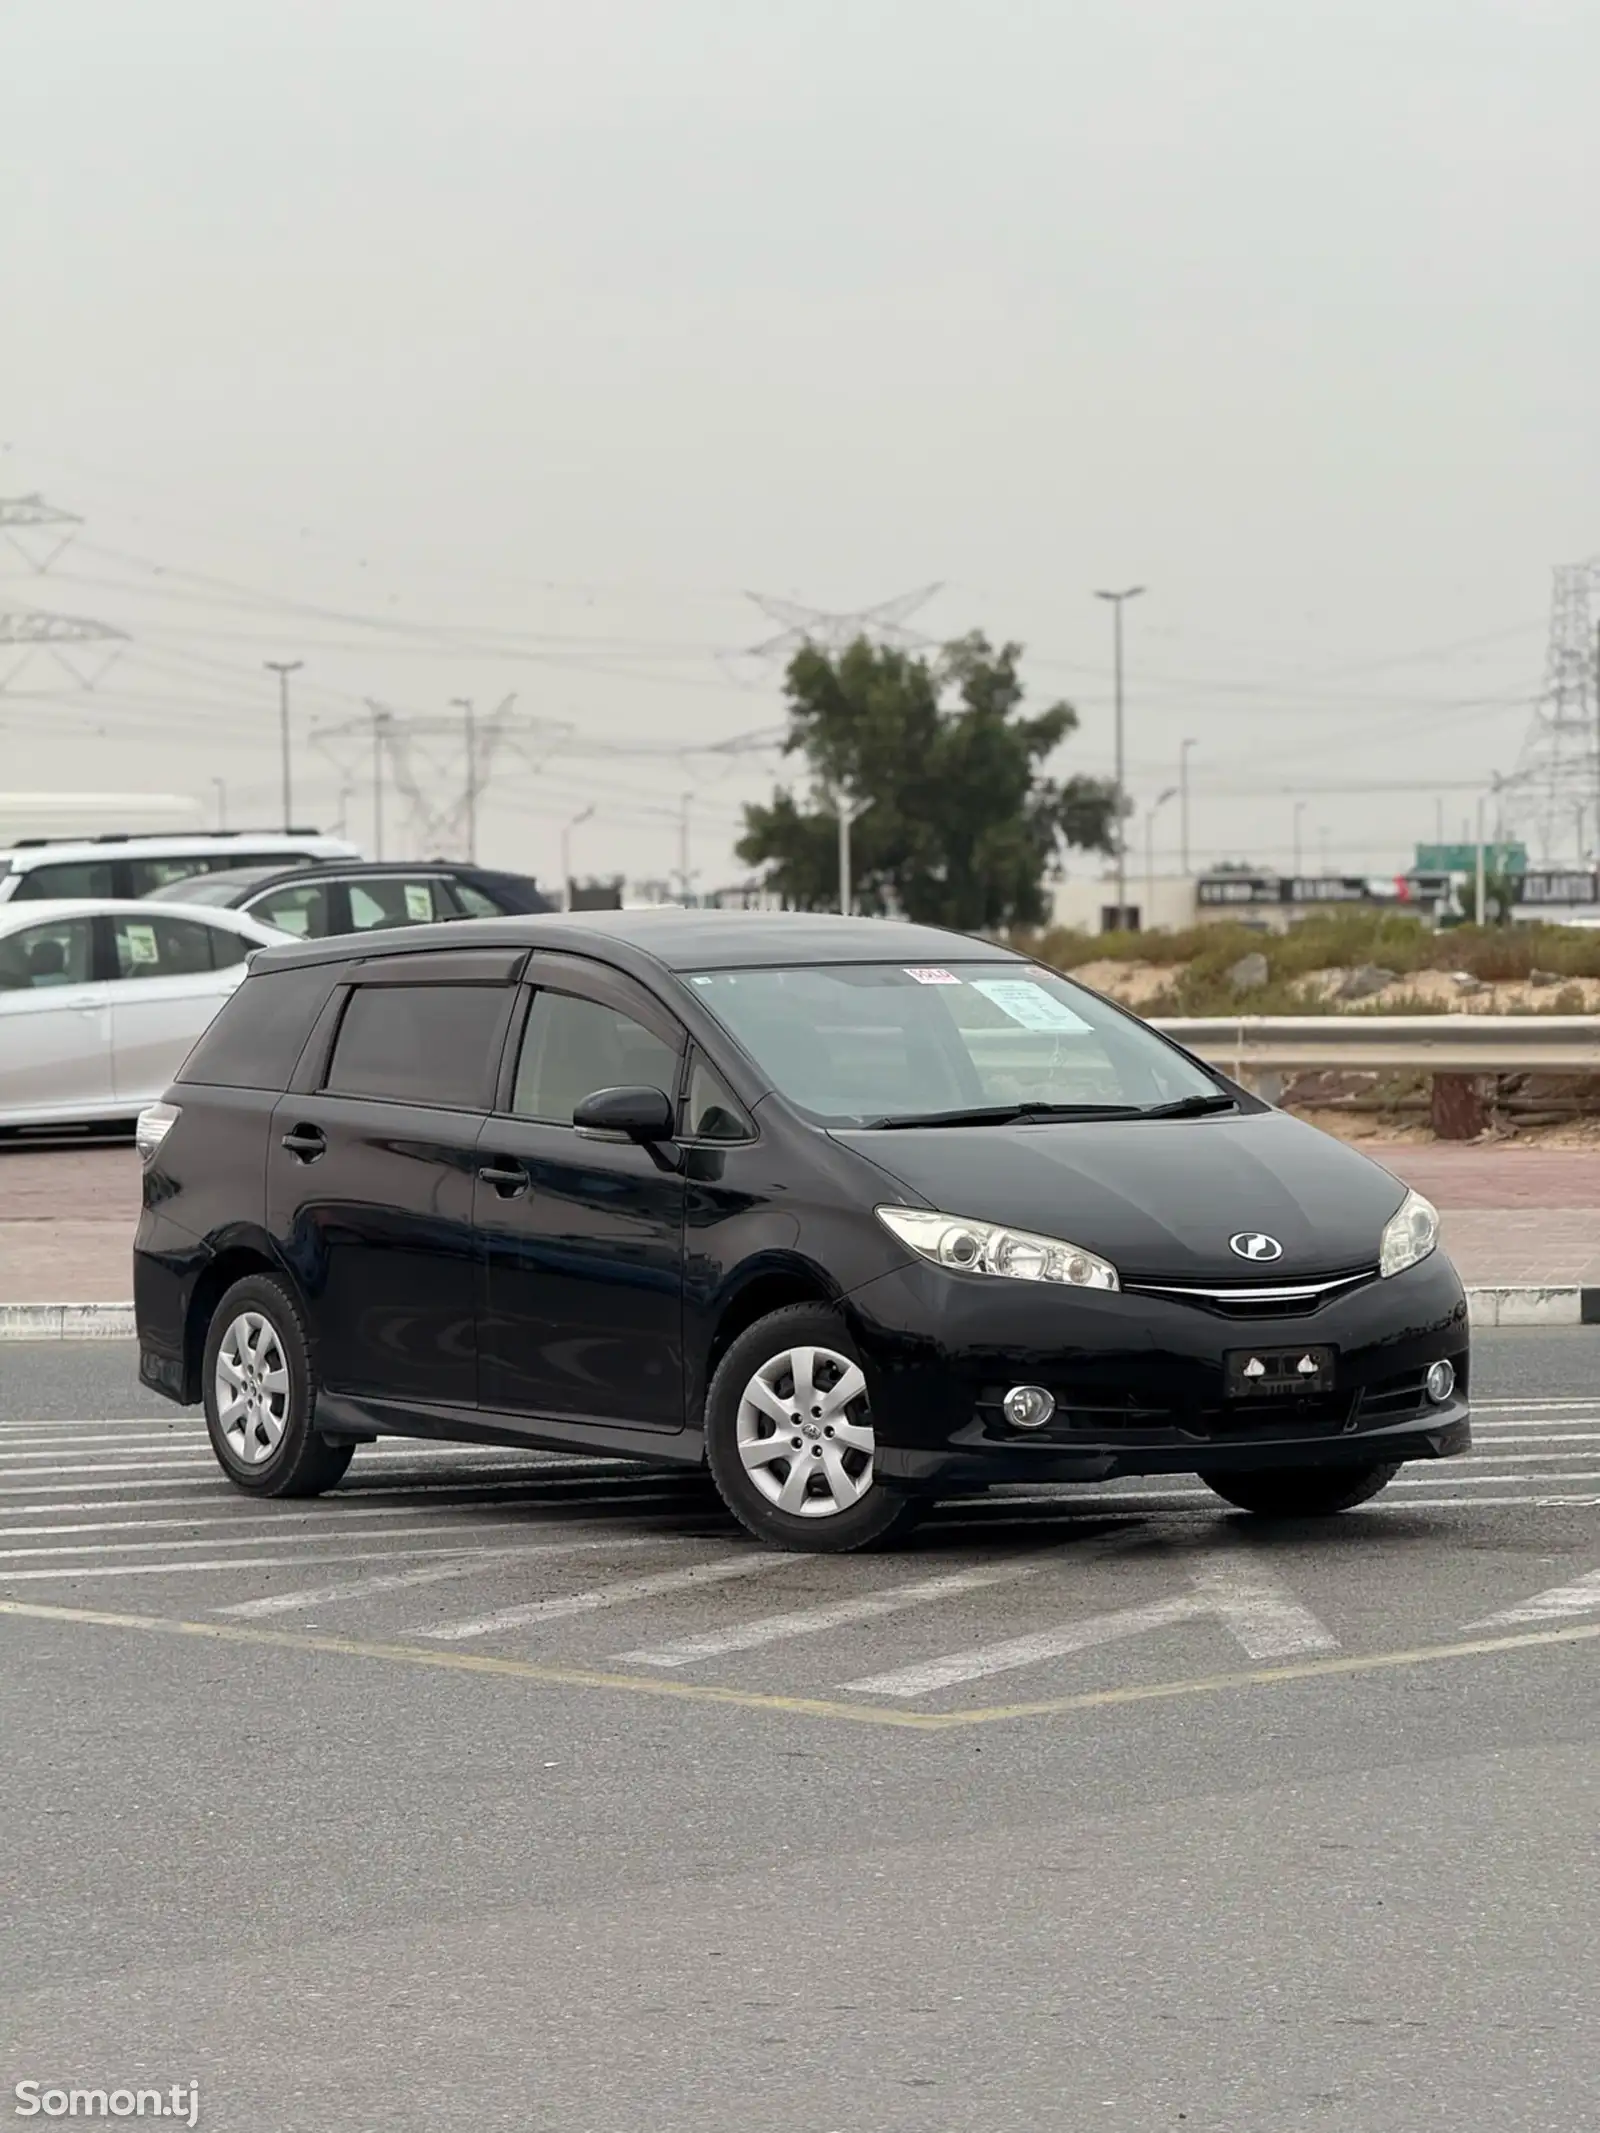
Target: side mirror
625	1115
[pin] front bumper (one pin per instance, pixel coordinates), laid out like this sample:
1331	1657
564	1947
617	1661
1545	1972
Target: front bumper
1138	1380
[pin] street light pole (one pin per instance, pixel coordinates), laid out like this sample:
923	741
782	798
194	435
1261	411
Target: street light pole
1299	810
1183	804
1130	592
221	789
566	853
283	668
1151	813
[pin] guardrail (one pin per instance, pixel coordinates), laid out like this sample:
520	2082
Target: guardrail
1457	1051
1421	1044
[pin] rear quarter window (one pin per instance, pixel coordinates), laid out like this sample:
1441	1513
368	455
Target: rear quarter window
255	1041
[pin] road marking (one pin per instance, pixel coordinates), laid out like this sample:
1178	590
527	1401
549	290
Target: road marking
1262	1616
581	1603
282	1603
71	1573
328	1513
860	1714
807	1621
1488	1481
1581	1597
436	1527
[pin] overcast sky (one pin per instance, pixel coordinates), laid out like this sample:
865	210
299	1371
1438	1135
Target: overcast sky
539	335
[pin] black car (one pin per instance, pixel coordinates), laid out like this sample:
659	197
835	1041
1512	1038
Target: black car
856	1212
360	896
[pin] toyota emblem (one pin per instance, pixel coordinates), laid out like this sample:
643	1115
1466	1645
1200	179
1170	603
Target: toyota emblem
1253	1244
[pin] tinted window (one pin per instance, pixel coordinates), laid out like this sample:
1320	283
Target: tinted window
147	874
396	903
255	1042
301	909
228	948
158	947
854	1041
276	862
420	1044
709	1112
38	956
89	877
473	901
572	1047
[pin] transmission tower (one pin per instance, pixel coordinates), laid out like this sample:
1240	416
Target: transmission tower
1554	798
882	625
32	631
56	529
439	767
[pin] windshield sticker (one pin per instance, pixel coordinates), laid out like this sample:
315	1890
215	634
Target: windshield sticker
419	902
933	977
141	942
1029	1003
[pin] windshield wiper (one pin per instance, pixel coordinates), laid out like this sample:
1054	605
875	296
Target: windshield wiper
1001	1115
1192	1106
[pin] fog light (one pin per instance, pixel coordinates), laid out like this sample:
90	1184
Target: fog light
1441	1382
1028	1406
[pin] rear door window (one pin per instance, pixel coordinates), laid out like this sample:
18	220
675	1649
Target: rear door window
157	947
420	1044
147	874
61	953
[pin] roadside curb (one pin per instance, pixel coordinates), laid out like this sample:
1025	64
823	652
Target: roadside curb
1525	1306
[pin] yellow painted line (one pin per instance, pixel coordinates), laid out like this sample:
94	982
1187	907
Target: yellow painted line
869	1714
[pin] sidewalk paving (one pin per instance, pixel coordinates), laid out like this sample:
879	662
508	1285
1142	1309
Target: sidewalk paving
1513	1216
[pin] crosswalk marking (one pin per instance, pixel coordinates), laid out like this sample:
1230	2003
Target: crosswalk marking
1262	1616
436	1526
840	1614
459	1566
620	1594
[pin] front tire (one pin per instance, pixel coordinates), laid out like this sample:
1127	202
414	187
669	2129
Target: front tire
1303	1492
790	1441
261	1393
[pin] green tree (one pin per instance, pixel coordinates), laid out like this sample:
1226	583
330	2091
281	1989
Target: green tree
961	827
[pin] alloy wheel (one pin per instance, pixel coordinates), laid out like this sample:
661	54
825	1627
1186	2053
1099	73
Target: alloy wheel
252	1388
804	1433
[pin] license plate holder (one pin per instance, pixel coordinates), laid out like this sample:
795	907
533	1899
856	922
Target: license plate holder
1278	1373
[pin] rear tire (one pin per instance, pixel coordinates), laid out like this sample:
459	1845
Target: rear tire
260	1391
790	1443
1303	1492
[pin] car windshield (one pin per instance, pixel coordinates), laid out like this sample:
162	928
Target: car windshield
857	1044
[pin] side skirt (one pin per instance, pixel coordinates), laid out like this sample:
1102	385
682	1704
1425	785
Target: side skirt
349	1420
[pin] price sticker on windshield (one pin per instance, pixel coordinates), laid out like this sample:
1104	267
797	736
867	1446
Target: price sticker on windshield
926	976
1030	1004
419	902
141	942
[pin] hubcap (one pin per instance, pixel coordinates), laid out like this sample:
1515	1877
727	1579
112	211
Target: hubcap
252	1387
804	1432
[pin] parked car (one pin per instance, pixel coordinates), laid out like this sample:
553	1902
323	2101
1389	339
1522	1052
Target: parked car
52	868
852	1210
314	902
101	1000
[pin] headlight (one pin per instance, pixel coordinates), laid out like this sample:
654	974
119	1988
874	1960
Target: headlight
1411	1235
967	1247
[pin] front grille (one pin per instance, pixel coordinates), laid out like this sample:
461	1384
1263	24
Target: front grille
1256	1300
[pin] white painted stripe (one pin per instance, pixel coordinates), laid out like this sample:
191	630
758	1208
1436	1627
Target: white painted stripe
451	1518
280	1603
448	1494
808	1621
562	1605
1261	1615
1484	1437
1485	1481
71	1573
436	1527
1560	1603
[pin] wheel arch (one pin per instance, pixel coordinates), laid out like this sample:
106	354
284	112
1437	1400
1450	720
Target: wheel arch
241	1255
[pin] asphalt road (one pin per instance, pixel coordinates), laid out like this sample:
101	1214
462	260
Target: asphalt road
503	1792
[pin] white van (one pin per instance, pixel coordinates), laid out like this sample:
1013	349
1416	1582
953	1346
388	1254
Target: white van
51	868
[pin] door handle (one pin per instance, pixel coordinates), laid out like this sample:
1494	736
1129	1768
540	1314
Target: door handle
509	1180
306	1143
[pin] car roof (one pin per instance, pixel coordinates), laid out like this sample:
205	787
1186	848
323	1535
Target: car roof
673	939
45	910
30	852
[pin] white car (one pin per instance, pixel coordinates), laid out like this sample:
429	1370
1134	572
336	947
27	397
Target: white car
51	869
101	1000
